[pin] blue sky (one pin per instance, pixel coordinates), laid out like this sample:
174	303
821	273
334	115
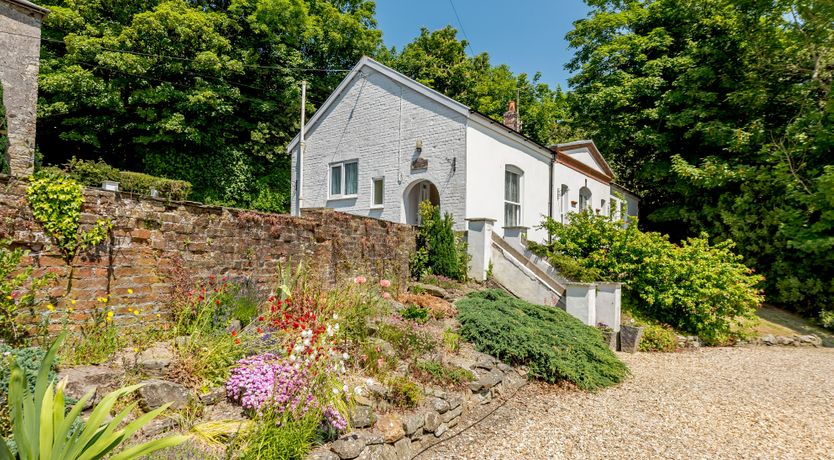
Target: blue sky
527	35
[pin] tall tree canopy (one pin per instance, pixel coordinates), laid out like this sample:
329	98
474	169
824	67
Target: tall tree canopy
720	114
206	91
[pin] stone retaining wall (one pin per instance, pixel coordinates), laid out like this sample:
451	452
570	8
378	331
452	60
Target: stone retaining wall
395	436
154	240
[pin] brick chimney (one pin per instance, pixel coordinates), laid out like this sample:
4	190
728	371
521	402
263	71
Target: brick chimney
511	117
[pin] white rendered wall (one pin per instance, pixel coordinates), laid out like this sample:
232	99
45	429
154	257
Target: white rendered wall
575	180
377	121
488	154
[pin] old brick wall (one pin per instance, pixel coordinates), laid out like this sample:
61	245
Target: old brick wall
153	238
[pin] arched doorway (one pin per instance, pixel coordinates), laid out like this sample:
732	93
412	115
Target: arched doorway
416	193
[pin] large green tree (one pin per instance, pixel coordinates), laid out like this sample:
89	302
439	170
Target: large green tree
439	60
720	114
206	91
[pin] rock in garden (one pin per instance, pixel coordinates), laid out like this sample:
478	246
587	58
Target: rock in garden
432	421
811	340
82	379
348	446
413	422
494	377
440	405
156	360
451	415
362	417
403	448
441	429
630	338
214	396
373	453
432	290
768	340
454	401
388	452
322	454
390	426
156	392
157	426
371	438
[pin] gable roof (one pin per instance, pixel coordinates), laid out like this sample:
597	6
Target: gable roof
367	63
29	6
561	150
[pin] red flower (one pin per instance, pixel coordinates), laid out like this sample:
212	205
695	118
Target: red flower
237	341
234	333
260	330
260	318
217	301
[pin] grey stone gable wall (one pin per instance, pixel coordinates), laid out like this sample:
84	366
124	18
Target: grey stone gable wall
20	31
378	122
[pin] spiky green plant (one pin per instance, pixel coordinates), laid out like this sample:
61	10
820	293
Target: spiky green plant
42	428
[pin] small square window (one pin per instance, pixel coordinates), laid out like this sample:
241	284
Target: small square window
379	192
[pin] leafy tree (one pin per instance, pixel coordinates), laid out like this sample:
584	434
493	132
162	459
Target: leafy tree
202	91
719	113
439	60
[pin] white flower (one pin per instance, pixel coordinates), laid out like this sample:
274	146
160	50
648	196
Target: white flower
336	327
306	342
345	388
335	317
345	356
292	358
358	390
335	391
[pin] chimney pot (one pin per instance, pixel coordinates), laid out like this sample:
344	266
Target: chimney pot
511	117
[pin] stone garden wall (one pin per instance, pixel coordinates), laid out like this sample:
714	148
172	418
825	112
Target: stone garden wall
154	242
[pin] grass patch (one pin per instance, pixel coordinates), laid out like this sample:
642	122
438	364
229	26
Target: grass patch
781	322
443	374
554	345
403	393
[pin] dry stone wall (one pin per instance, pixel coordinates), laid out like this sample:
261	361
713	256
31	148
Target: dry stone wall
154	242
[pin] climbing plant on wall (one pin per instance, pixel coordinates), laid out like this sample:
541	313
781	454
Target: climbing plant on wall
56	202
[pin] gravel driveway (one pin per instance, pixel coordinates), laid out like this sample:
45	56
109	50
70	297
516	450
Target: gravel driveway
713	403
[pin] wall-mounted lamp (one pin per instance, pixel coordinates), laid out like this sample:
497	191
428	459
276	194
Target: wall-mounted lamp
419	144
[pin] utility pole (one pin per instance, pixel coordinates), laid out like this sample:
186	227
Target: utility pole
299	181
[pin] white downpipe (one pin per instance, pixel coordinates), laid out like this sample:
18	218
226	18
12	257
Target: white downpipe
301	145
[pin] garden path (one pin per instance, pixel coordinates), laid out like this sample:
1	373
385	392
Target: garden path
755	402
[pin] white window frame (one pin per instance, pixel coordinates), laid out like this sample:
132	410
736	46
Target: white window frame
381	204
343	184
510	169
586	201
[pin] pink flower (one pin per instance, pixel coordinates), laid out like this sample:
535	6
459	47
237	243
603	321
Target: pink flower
385	284
386	295
360	280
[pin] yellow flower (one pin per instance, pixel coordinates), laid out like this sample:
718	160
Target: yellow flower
136	312
109	314
158	315
72	301
136	349
70	309
50	307
130	291
104	299
8	297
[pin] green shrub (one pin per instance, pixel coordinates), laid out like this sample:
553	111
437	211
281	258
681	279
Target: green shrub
658	338
440	251
451	340
415	313
284	437
42	427
827	319
554	345
29	359
93	173
403	393
695	287
406	340
18	292
443	374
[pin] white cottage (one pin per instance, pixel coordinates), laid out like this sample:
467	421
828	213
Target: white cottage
382	143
